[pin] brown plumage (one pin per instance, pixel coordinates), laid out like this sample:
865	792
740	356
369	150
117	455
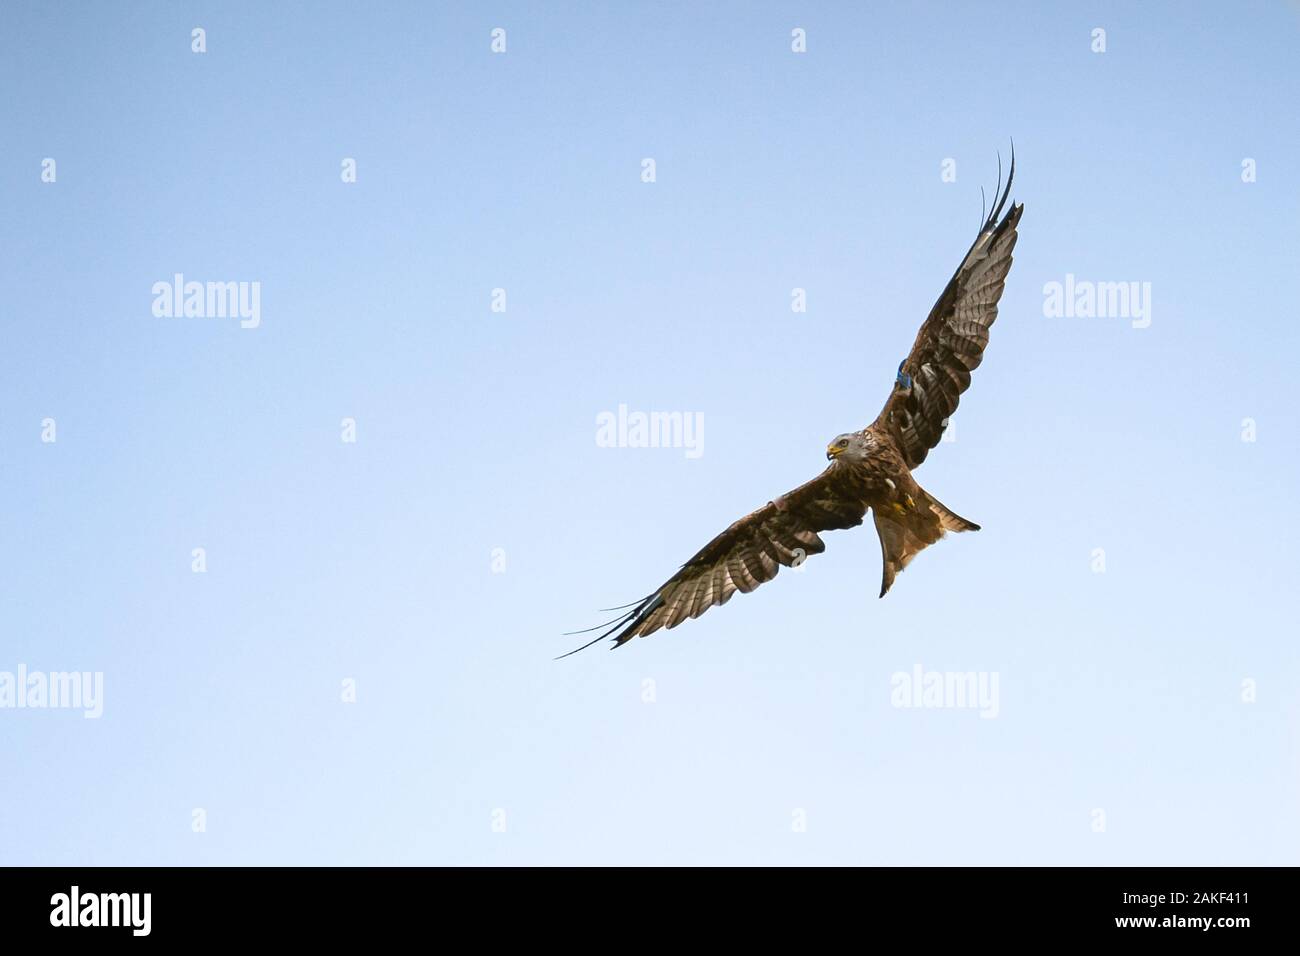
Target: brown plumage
869	469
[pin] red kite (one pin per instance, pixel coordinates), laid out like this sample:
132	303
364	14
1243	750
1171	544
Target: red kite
871	468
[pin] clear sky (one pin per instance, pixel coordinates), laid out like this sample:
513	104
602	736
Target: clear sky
1131	589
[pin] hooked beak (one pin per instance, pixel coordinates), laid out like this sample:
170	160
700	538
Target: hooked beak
832	452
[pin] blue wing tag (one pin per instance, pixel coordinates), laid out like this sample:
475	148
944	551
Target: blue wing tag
903	379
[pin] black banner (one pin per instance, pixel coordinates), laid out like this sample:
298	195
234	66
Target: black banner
367	905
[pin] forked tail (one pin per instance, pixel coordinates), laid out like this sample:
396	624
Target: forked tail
904	535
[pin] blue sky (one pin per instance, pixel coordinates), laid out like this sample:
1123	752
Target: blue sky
763	732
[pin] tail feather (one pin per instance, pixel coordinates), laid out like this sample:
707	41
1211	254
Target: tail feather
950	520
903	537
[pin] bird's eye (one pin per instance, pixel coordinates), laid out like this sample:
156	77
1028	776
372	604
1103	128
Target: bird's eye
843	443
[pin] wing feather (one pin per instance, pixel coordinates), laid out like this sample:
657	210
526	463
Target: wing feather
746	555
951	342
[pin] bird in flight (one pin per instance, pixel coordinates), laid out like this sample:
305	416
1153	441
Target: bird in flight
869	469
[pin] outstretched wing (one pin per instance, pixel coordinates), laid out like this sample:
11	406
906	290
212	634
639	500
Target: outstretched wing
951	342
750	552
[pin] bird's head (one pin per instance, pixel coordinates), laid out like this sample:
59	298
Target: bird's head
850	447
